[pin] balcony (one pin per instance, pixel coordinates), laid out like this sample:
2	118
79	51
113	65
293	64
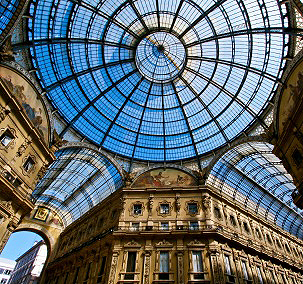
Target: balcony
129	277
163	277
198	277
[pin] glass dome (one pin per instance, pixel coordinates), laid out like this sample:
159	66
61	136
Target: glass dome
159	80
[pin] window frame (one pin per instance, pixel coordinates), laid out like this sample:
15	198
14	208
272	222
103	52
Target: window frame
11	134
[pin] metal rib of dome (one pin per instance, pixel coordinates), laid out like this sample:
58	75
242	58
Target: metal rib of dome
159	80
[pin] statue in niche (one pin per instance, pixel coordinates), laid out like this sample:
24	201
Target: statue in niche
206	202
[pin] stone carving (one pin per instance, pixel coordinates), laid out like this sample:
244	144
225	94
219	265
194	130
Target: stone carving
41	172
164	243
132	243
113	268
146	267
180	267
177	204
201	175
3	113
122	204
7	205
128	177
206	204
57	142
23	147
150	204
195	242
6	50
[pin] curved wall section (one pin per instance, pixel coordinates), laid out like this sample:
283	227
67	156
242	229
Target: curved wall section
77	181
256	178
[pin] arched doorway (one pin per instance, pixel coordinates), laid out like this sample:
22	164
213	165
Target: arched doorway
30	251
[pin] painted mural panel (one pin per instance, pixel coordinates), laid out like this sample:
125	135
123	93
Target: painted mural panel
28	99
163	178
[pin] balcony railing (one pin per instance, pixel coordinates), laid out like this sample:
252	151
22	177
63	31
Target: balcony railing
185	228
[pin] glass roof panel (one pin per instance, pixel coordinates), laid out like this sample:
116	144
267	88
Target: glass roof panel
256	178
132	76
7	10
79	179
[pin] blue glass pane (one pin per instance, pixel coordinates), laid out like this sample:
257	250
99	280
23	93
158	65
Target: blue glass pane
7	10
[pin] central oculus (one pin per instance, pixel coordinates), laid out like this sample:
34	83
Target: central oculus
160	57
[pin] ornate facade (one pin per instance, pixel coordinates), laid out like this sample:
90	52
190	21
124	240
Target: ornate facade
174	234
154	141
24	148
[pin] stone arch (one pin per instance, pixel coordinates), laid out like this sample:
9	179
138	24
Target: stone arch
41	231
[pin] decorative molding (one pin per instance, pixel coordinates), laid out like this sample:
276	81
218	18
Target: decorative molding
170	208
164	244
3	113
131	209
113	268
132	244
180	261
146	272
198	208
195	243
23	147
7	207
12	143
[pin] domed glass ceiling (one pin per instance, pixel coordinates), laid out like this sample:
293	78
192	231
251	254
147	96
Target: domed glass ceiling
159	79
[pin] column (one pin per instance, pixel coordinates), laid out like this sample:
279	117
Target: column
180	267
216	266
146	269
113	267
